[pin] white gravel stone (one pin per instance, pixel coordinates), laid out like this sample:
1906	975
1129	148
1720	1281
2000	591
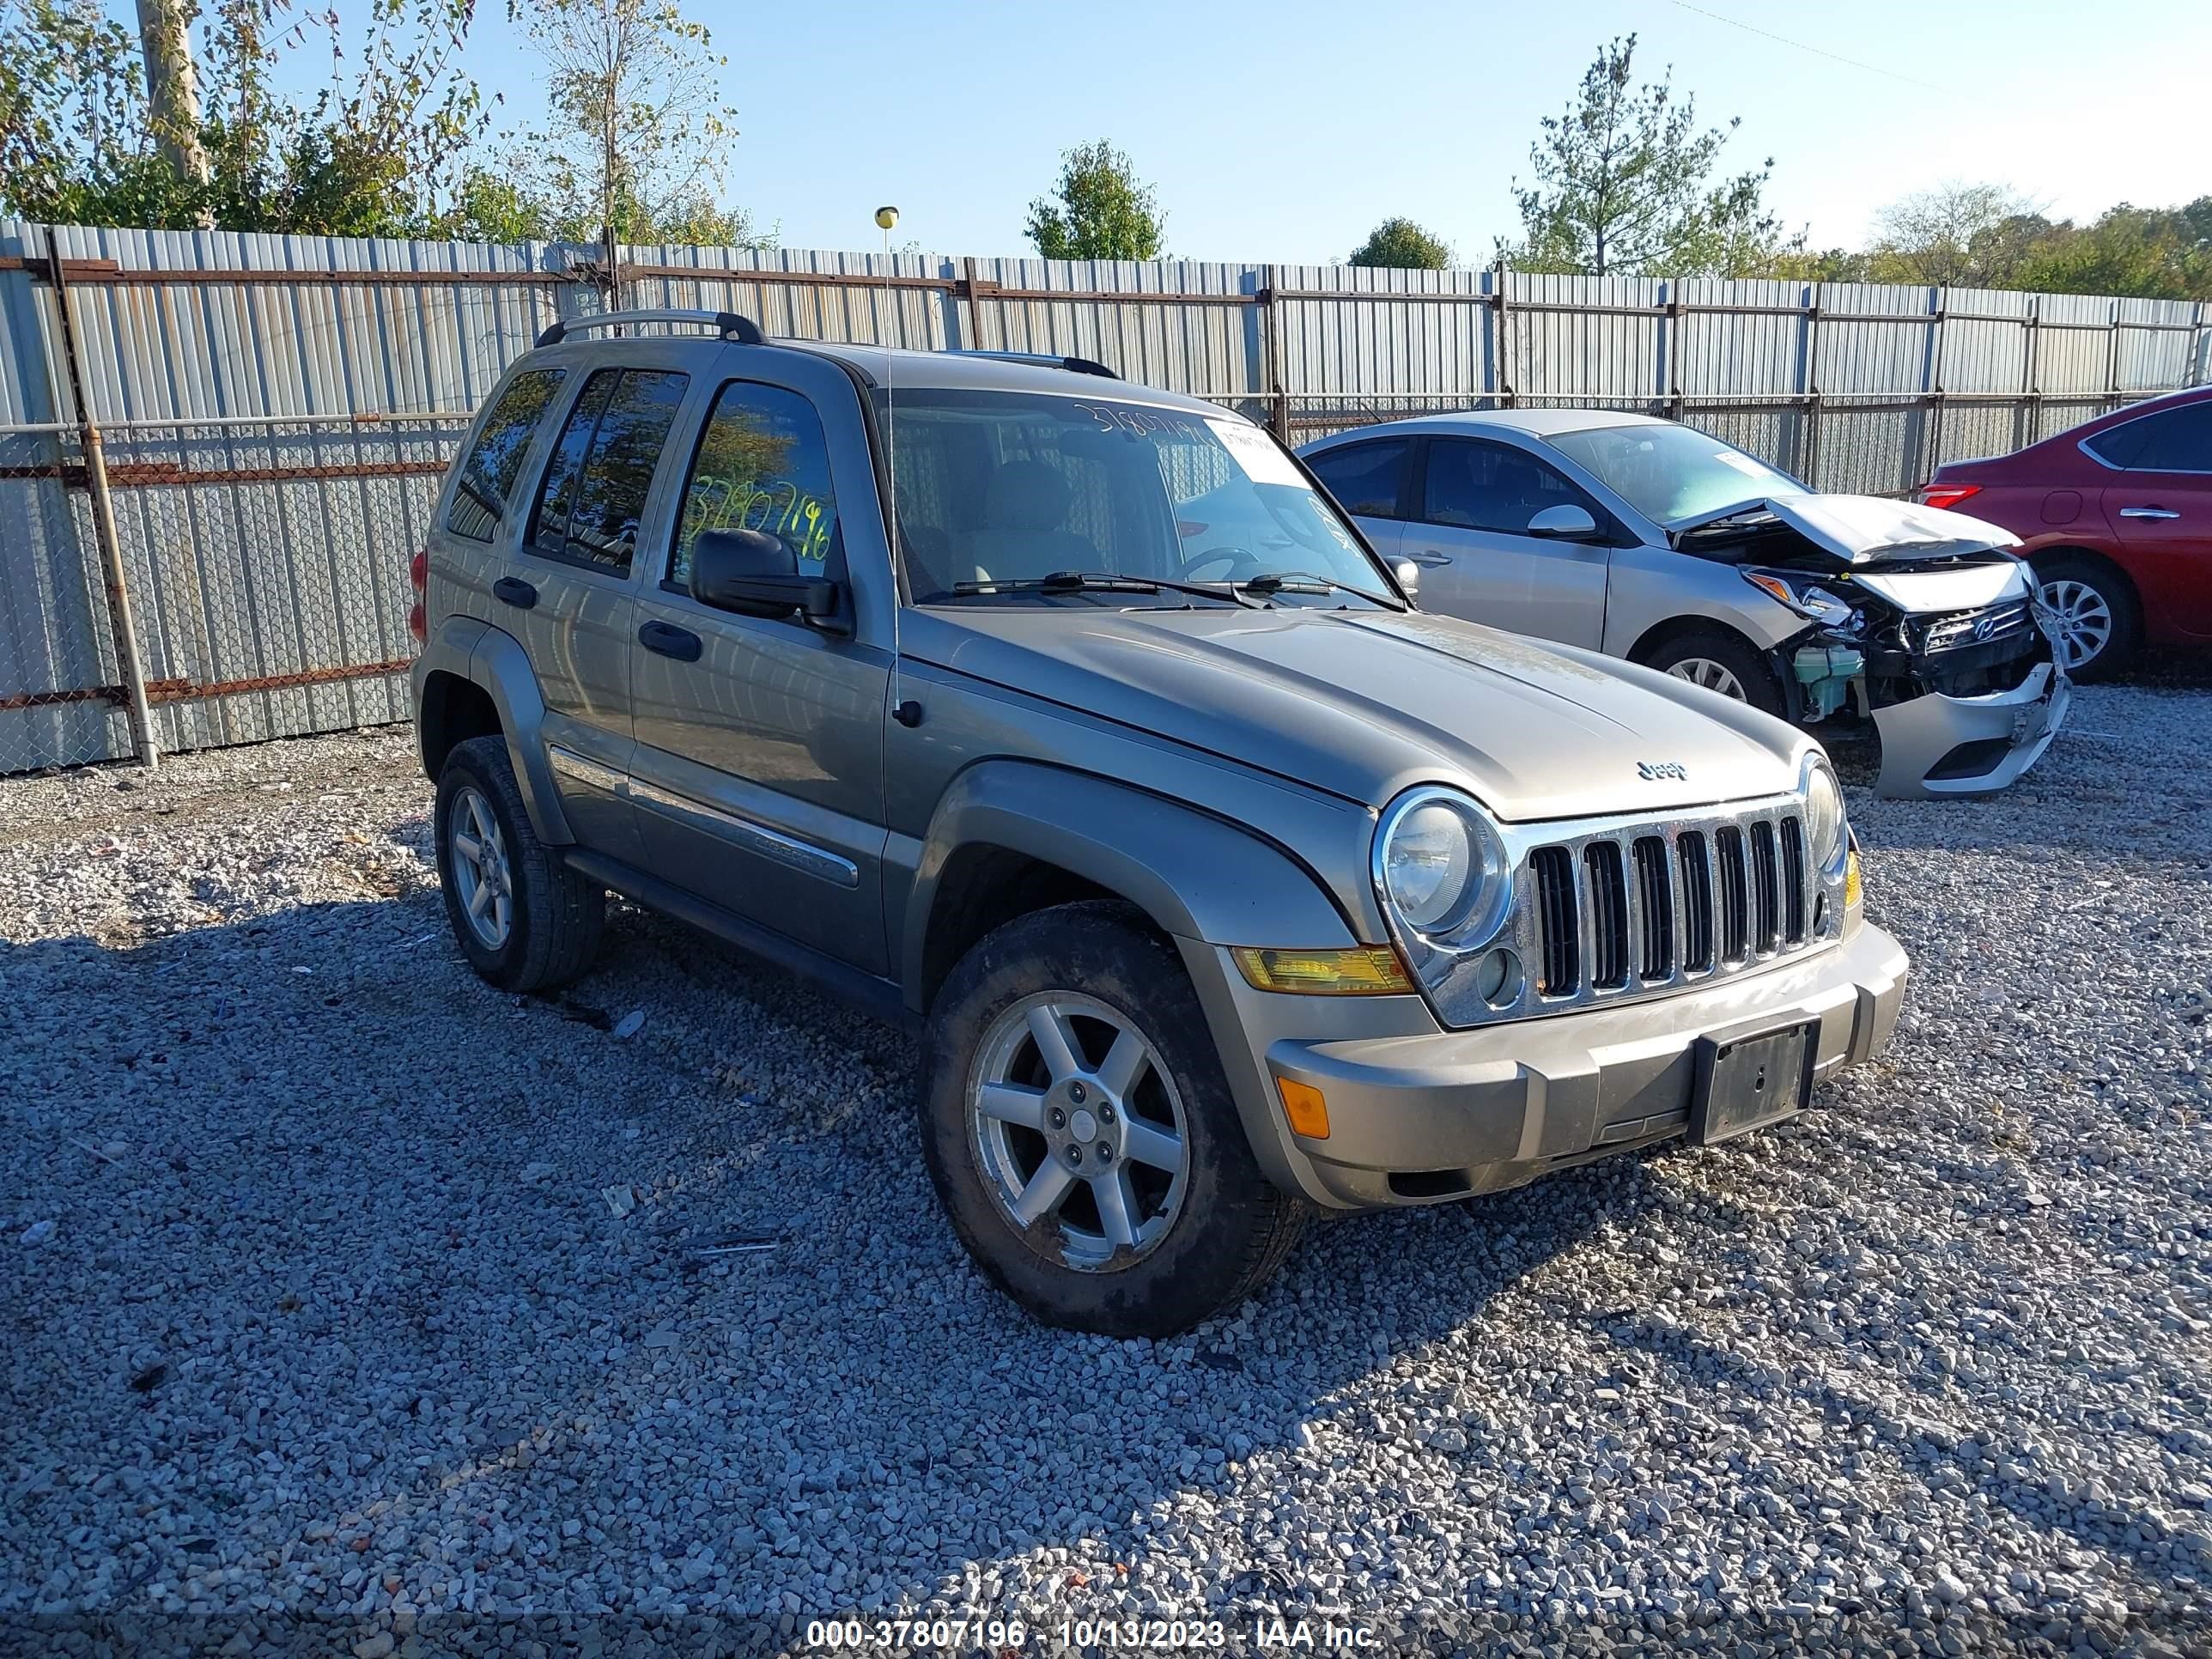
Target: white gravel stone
1929	1371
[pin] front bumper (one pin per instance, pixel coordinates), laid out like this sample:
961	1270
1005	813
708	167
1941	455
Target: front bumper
1936	746
1417	1118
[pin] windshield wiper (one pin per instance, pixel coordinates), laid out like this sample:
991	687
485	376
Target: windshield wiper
1302	581
1096	581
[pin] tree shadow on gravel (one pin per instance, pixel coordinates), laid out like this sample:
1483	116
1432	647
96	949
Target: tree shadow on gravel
362	1237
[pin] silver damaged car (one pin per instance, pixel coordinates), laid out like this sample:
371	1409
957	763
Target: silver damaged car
1652	541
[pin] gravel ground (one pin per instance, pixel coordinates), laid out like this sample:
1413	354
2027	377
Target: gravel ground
324	1319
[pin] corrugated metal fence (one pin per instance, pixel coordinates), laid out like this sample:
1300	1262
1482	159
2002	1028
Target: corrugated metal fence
226	447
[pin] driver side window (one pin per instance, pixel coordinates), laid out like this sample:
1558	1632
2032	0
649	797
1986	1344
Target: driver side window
1481	486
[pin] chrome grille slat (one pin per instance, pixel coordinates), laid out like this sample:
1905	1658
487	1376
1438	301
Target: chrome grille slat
1605	889
1733	883
1694	855
1655	905
1793	881
1629	908
1766	888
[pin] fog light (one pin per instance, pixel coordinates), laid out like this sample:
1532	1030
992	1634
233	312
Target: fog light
1497	978
1305	1109
1364	972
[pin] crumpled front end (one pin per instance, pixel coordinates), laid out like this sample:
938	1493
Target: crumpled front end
1965	701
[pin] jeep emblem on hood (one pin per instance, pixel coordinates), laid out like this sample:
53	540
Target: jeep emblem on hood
1652	771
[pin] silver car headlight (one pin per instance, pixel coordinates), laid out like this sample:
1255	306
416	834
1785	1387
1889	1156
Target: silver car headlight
1441	868
1826	830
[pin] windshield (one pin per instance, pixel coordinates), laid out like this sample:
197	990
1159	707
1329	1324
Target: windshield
1001	488
1669	472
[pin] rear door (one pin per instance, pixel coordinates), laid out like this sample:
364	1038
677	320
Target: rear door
567	595
2159	504
757	775
1475	499
1369	481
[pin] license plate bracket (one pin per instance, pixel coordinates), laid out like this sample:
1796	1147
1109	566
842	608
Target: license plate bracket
1748	1081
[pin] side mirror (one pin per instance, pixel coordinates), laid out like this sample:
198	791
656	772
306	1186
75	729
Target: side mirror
1409	577
754	575
1563	523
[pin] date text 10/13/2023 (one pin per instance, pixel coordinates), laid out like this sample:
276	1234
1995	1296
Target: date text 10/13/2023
1000	1637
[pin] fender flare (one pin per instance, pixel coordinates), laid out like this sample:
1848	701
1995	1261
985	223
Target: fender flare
500	665
1197	877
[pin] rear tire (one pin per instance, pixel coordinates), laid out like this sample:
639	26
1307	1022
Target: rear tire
2101	625
1720	660
1167	1219
524	919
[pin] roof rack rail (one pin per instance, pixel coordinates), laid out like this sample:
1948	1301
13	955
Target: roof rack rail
1042	360
731	326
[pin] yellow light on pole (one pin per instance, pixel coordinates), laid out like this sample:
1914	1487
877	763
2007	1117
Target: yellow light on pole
886	217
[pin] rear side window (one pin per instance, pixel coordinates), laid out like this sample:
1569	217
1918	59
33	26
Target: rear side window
1490	487
1364	477
495	461
2172	441
595	487
762	465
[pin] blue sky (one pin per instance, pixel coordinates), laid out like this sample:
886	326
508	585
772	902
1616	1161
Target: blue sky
1283	130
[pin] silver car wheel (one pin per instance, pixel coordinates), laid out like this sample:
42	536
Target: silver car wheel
481	871
2084	620
1713	675
1074	1120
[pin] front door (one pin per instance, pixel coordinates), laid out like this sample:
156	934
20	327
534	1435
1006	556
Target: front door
1466	535
757	775
567	596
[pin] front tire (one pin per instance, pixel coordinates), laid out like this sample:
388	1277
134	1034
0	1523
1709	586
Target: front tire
1719	660
524	920
2100	624
1080	1132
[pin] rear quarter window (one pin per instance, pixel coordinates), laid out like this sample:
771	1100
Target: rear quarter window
494	464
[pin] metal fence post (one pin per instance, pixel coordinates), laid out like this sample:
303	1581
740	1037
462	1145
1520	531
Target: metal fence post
1503	355
1812	458
119	622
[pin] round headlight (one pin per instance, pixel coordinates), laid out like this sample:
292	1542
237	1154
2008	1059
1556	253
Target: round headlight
1442	869
1824	818
1427	862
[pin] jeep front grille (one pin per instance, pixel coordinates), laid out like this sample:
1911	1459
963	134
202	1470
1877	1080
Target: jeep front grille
1627	908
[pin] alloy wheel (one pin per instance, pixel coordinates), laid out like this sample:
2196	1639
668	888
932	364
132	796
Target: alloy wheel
1077	1126
482	874
1713	675
2083	619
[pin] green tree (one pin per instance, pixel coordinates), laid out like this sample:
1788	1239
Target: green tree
637	136
2151	254
1624	184
1401	245
1102	210
1961	234
377	152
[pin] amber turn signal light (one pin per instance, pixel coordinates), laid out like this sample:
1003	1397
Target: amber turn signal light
1852	894
1305	1109
1364	972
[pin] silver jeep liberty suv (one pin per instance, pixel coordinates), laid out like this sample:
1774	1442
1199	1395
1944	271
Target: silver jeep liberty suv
1065	722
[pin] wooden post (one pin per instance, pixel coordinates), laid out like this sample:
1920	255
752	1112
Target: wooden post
119	622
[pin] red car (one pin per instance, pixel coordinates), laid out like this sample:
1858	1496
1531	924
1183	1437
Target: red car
2116	515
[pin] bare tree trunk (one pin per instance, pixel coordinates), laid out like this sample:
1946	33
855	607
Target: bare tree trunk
172	90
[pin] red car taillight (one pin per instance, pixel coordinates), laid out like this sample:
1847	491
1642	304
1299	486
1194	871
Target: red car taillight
1947	494
418	574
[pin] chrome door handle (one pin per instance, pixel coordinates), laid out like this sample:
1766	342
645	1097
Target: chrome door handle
2148	513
